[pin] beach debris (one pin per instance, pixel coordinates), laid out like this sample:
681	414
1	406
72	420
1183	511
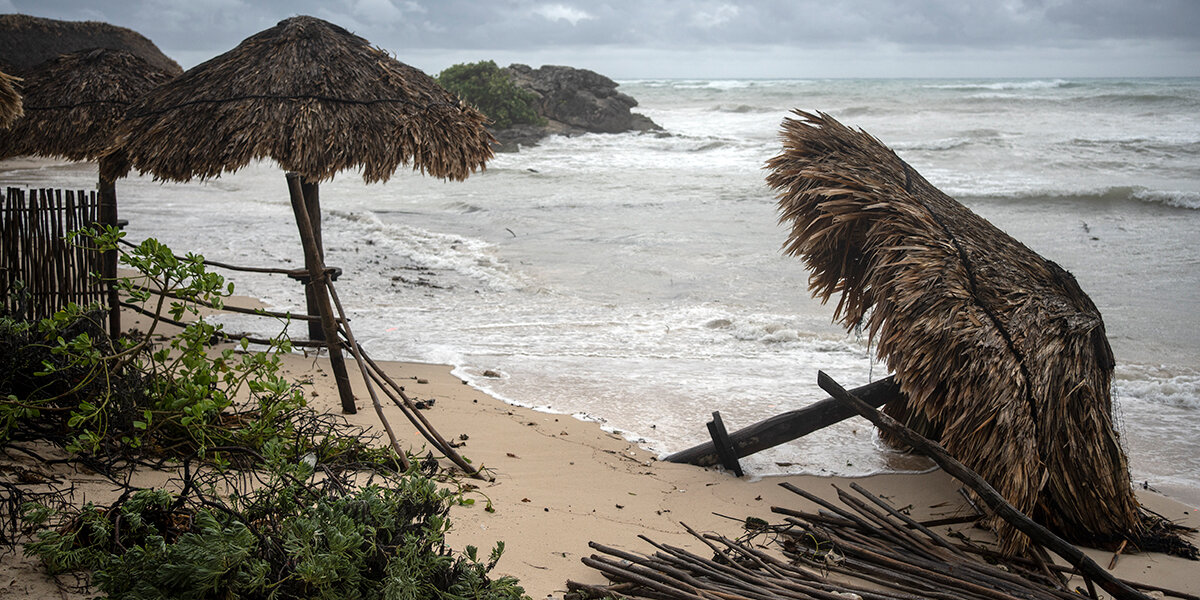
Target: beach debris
784	427
1000	356
1038	534
863	547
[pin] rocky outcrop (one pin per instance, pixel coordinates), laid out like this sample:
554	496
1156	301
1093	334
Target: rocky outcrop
26	41
573	102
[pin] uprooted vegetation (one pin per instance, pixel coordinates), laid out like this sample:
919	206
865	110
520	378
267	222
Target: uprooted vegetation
265	498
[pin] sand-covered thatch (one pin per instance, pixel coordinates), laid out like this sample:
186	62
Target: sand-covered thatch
74	103
1001	355
313	97
10	100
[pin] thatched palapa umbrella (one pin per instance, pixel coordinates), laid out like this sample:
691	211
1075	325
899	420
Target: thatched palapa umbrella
10	100
73	104
316	99
1002	357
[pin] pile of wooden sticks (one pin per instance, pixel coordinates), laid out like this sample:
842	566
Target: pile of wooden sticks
863	549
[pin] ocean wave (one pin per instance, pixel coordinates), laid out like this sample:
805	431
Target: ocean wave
743	109
1158	386
974	136
1167	146
1143	99
465	208
1175	199
1035	84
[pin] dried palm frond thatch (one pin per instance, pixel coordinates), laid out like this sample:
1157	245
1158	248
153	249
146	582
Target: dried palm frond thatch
74	103
315	98
10	100
27	41
1002	357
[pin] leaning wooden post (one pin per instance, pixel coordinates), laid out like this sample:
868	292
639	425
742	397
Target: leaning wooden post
788	426
316	274
108	261
996	502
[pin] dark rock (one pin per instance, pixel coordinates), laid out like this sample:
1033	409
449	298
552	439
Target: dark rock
573	102
26	41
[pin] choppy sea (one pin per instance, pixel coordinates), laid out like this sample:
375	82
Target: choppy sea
637	279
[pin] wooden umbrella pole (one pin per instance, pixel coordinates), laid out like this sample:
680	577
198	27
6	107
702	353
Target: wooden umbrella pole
312	203
1087	568
316	272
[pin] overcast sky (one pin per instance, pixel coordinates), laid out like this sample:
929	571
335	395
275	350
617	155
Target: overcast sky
632	39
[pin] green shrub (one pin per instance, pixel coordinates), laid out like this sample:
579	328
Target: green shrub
272	500
487	88
293	540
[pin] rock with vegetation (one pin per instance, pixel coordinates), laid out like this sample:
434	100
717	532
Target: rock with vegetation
26	41
531	104
486	87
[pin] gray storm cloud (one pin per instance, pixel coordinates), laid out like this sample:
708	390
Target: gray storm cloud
780	38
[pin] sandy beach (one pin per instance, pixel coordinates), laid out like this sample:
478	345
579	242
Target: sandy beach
560	483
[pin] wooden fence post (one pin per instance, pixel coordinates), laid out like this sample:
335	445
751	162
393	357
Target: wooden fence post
108	261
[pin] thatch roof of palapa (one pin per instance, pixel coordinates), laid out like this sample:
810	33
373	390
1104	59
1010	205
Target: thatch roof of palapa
10	100
74	103
1001	355
27	41
313	97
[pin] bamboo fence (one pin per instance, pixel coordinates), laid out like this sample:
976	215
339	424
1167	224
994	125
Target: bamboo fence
40	270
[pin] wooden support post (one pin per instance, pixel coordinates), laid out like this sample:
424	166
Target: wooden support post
316	273
312	202
788	426
108	265
720	440
996	502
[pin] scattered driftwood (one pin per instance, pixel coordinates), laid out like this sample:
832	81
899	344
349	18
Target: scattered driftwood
863	549
788	426
1037	533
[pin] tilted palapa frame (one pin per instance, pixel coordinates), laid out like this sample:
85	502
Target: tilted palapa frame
317	100
73	105
1002	357
10	100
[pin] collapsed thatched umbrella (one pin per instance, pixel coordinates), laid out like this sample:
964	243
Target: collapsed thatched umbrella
1002	357
10	100
73	104
316	99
